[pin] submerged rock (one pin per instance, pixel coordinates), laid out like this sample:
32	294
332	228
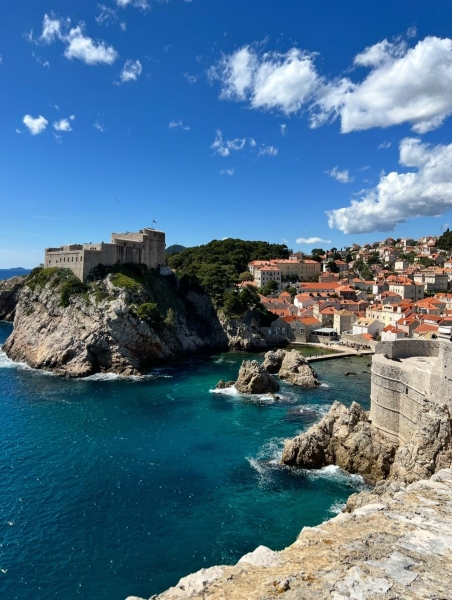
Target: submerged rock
296	370
222	385
346	438
254	379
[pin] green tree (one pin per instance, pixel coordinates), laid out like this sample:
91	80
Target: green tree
246	276
332	267
270	287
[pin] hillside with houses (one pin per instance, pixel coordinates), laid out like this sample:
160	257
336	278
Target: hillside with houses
388	290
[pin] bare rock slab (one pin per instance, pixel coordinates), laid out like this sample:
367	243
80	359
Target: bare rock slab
296	370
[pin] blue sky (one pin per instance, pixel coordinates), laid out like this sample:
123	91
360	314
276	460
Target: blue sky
259	119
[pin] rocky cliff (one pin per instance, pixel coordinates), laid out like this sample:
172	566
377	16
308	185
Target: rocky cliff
122	322
9	296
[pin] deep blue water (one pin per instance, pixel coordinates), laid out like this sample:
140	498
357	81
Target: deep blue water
7	273
110	488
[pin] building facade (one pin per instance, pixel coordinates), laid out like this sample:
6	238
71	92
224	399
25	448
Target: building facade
146	246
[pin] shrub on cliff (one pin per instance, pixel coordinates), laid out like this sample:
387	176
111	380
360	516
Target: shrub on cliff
71	287
148	312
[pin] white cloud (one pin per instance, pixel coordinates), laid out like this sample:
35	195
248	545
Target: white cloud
312	240
40	60
283	129
227	172
36	126
425	191
99	126
131	71
143	4
224	147
18	130
106	15
404	85
58	138
384	145
190	78
268	81
341	176
178	125
123	26
85	49
78	45
252	142
63	124
268	151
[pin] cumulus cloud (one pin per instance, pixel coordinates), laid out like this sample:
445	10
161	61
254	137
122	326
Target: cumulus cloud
341	176
178	125
425	191
312	240
268	151
35	126
403	84
78	45
227	172
64	124
267	81
224	147
131	70
283	129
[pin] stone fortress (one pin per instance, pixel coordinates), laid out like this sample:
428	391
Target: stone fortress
146	246
406	374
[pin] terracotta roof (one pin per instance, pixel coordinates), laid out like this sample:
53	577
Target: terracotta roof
310	321
425	328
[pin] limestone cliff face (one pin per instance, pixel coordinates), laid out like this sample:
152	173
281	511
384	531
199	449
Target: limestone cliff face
244	334
108	327
346	438
9	295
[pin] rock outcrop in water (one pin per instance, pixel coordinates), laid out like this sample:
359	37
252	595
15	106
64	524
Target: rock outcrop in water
273	360
395	548
346	438
254	379
292	367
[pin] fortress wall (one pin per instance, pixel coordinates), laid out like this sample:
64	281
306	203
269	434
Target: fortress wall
397	395
110	255
70	259
401	386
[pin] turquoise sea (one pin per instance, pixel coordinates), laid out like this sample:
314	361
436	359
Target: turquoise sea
112	488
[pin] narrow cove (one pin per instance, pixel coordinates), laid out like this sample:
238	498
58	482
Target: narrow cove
115	487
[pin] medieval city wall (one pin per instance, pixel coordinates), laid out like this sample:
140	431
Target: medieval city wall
405	374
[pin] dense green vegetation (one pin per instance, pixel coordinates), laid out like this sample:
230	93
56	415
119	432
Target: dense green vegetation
174	249
445	241
220	264
236	303
231	252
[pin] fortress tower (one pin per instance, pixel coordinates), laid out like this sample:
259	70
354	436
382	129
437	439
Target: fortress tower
406	374
146	246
